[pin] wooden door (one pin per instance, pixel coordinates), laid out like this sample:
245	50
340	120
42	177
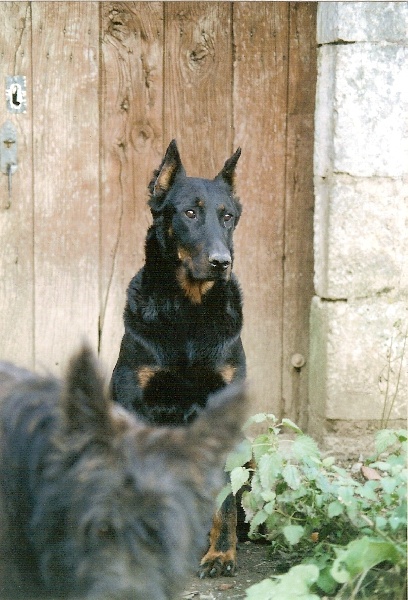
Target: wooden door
50	232
109	84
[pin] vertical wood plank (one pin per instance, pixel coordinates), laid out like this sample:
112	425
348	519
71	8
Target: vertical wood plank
198	84
132	145
260	103
66	178
16	222
298	279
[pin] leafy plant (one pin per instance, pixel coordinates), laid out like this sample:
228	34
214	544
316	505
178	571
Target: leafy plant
295	585
348	530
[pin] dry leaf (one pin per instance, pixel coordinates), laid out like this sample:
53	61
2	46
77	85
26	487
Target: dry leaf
370	473
226	586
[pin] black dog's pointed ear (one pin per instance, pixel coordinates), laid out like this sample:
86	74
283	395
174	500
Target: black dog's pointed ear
164	176
228	171
85	405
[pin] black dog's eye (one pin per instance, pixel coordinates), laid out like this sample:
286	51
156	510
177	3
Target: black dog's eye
227	217
190	214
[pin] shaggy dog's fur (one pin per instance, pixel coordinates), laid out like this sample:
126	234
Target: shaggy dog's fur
96	504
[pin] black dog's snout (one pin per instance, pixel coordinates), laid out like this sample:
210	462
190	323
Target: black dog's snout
220	261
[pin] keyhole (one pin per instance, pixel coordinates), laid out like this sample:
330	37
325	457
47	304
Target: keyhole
16	95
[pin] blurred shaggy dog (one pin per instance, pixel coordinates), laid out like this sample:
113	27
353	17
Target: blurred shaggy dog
93	503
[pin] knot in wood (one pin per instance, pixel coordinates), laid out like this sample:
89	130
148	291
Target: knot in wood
119	25
199	53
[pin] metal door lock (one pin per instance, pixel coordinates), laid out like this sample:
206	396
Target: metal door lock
16	94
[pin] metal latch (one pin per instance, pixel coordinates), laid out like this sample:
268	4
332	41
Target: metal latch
8	154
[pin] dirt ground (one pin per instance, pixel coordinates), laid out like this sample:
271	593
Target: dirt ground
253	566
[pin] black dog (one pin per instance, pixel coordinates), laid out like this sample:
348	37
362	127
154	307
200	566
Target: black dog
183	315
95	504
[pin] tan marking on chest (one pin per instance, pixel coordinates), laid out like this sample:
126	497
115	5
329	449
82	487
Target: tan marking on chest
194	290
145	373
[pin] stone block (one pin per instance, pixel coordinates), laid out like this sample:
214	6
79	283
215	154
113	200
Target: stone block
362	110
361	236
362	22
358	360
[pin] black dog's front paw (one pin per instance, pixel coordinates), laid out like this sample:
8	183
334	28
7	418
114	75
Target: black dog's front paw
217	564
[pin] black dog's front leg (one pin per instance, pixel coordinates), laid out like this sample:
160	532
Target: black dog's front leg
221	557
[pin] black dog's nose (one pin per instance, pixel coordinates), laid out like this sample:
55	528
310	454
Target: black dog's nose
220	261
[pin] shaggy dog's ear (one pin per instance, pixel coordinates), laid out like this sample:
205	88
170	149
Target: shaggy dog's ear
164	177
228	171
84	403
218	428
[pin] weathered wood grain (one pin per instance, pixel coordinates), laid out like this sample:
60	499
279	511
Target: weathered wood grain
66	182
260	104
112	83
299	203
16	221
132	146
198	84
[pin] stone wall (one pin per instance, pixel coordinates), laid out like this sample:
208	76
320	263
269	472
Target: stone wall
359	315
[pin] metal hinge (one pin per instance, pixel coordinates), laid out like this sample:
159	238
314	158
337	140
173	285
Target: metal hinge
8	154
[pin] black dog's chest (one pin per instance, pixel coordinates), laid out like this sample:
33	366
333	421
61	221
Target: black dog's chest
176	349
177	353
188	337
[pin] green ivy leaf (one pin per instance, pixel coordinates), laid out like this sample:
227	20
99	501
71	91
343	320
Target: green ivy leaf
239	476
346	493
328	461
384	439
402	435
382	465
291	476
304	446
269	507
326	582
260	446
258	519
293	533
380	522
261	591
260	418
335	509
368	490
389	484
268	495
295	584
362	555
249	504
395	522
291	425
270	466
